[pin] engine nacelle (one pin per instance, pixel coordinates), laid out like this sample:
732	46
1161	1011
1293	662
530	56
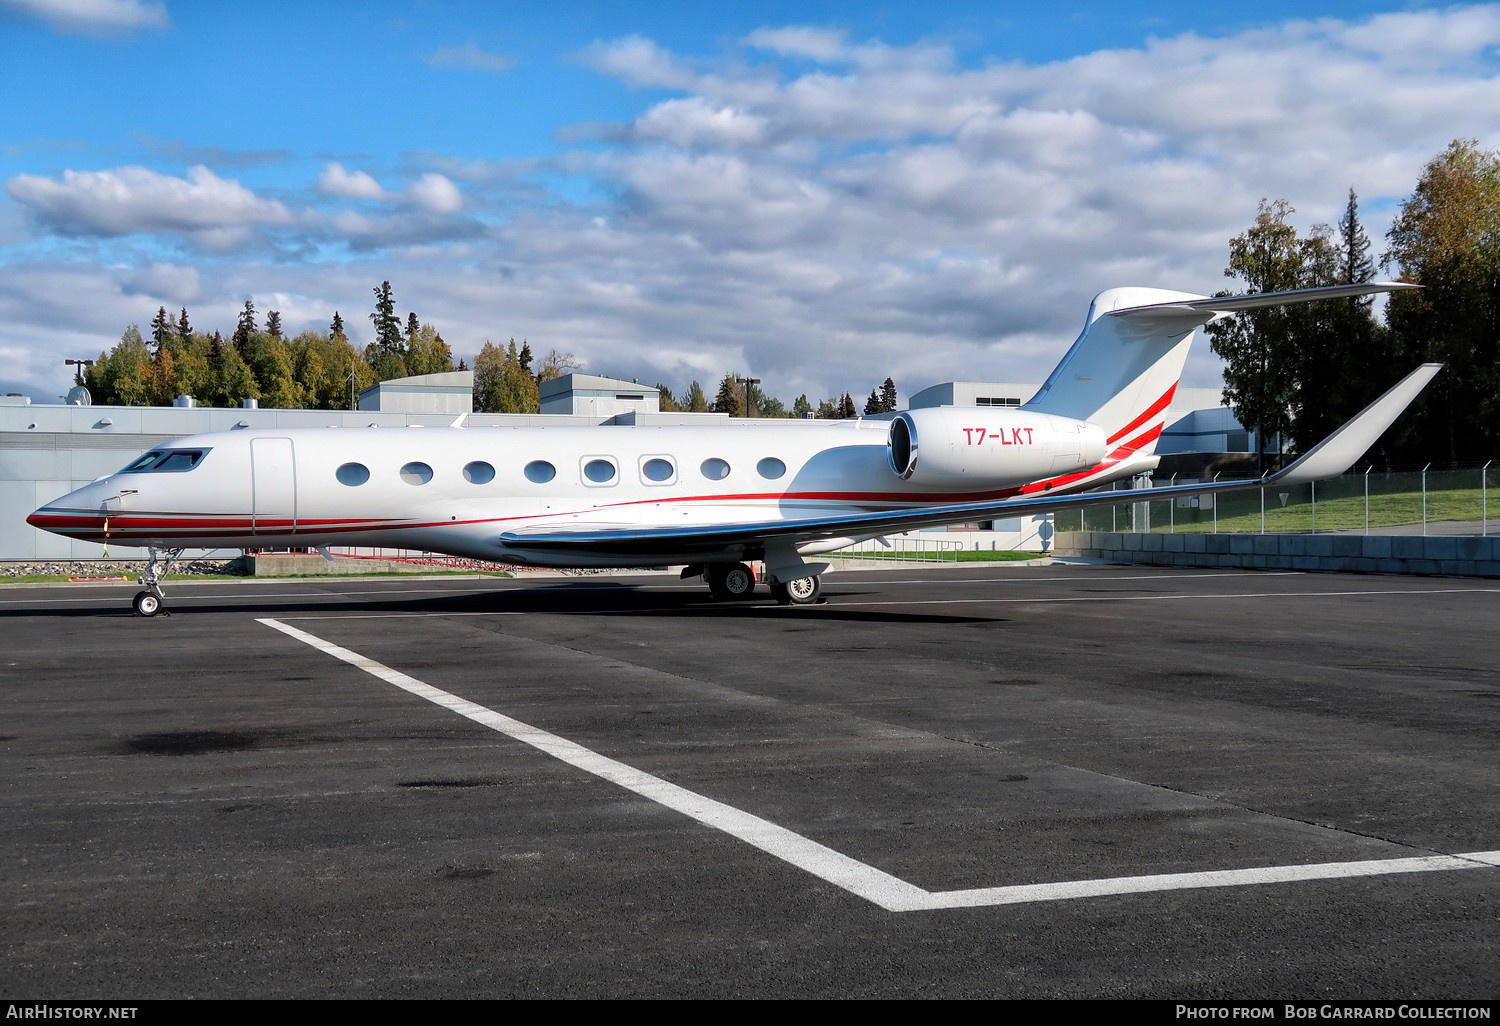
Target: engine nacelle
963	448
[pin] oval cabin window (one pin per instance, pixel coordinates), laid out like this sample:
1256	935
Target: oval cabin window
770	468
658	470
599	471
479	472
715	469
540	472
416	473
352	474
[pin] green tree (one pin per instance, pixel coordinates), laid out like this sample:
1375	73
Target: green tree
1260	347
872	404
246	326
184	330
729	399
427	352
162	377
1344	362
273	323
801	408
232	379
489	371
666	401
275	378
387	324
695	401
1447	239
161	328
888	396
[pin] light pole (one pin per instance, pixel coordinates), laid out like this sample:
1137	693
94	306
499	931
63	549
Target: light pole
749	410
79	365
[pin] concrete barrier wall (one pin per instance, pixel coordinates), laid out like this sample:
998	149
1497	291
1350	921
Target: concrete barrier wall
1343	553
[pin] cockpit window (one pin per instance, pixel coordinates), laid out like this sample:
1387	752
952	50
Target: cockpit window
167	461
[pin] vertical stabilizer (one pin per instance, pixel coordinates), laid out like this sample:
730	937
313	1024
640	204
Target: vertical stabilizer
1122	372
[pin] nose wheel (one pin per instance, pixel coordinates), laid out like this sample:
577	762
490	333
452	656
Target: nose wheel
803	591
150	601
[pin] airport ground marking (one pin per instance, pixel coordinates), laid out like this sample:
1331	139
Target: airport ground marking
881	888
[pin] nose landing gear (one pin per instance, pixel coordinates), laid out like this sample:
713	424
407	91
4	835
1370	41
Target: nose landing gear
150	601
801	592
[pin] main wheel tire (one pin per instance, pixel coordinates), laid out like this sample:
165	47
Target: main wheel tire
803	591
146	604
732	582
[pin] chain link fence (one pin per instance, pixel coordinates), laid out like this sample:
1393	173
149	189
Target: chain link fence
1461	501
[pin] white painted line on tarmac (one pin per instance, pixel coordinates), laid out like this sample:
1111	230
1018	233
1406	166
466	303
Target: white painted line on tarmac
881	888
855	877
1023	893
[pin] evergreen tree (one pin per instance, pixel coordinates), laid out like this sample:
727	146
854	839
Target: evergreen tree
161	328
184	330
387	324
729	399
695	401
246	326
336	329
1344	360
846	407
666	401
872	404
888	396
801	408
273	323
412	327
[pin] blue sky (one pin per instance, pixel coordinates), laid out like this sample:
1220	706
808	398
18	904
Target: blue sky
818	194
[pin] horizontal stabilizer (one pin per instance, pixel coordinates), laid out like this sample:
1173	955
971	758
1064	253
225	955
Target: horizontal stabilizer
1259	300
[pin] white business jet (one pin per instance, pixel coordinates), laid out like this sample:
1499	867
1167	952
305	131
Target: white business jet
712	497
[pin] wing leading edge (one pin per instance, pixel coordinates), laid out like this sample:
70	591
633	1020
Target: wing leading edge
1328	458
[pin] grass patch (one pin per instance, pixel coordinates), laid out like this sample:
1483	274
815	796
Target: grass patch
1339	507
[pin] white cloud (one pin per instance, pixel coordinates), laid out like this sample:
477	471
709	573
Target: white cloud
470	57
436	194
809	41
94	17
639	62
136	200
334	180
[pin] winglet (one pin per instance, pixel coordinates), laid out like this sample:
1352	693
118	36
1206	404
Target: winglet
1337	453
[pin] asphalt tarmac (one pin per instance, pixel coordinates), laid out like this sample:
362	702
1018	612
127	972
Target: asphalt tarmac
1062	781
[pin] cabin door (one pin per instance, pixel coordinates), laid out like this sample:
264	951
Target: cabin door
273	483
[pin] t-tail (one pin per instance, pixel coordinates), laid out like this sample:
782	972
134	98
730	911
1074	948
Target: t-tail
1123	371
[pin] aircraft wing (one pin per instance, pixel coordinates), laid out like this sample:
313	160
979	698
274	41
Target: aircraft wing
1328	458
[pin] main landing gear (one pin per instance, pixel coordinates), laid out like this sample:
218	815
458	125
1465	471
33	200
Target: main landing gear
729	582
150	601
